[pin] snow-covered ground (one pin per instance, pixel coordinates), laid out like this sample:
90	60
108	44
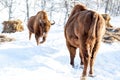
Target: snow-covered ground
24	60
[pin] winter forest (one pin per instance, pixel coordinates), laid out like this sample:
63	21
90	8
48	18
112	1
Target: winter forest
22	59
14	9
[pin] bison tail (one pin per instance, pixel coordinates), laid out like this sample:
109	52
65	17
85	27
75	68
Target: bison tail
92	30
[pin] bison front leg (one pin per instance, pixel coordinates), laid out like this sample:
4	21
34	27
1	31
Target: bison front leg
72	51
44	38
37	39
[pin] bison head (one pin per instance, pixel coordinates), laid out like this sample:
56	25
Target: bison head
107	20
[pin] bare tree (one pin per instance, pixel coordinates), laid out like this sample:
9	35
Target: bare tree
67	9
98	4
112	7
106	8
27	7
43	4
9	4
51	9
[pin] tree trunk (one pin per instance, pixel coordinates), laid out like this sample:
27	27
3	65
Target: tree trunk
51	9
10	10
106	8
66	14
27	6
43	3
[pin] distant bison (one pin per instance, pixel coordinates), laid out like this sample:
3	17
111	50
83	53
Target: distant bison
12	26
107	20
84	30
39	25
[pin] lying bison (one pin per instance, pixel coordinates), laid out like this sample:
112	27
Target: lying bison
84	30
12	26
39	25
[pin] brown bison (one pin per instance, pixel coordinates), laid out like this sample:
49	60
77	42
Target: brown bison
12	26
107	20
9	26
84	30
39	25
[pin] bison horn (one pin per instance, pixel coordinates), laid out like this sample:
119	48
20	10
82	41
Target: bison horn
53	22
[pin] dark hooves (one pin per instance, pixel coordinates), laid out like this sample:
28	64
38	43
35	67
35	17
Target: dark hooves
92	75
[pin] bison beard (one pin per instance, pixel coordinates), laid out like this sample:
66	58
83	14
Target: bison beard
84	30
39	25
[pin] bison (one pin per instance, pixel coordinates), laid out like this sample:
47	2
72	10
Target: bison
9	26
107	20
84	30
12	26
39	25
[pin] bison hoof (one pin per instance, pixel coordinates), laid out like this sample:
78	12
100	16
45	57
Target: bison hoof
83	78
72	65
38	44
91	75
42	42
81	66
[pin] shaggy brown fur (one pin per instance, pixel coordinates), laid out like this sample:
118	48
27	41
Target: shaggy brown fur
8	27
84	30
30	25
107	20
77	8
12	26
39	25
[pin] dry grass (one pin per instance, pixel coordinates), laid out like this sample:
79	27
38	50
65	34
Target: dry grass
4	38
111	35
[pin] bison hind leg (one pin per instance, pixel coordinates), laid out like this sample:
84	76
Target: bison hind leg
72	51
82	60
81	66
30	33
